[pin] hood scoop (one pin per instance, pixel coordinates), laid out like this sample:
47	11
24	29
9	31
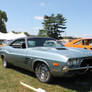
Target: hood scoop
61	48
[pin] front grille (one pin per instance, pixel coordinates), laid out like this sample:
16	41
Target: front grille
86	62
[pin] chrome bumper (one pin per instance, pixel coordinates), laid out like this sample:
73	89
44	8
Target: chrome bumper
65	71
80	68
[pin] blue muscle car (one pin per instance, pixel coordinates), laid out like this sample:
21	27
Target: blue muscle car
46	57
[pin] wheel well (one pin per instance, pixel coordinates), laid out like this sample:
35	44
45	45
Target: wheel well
36	63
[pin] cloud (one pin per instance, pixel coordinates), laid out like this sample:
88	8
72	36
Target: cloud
38	17
42	4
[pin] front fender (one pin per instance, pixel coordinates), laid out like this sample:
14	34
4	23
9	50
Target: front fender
39	60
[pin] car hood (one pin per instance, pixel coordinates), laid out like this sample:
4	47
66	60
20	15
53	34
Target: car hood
67	51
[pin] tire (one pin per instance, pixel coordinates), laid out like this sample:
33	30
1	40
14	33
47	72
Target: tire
42	73
5	63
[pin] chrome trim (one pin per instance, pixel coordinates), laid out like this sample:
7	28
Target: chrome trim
87	67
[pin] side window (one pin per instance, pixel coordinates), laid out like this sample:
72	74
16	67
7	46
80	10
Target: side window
85	42
20	43
90	41
31	43
77	43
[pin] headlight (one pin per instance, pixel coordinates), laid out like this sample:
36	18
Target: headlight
74	61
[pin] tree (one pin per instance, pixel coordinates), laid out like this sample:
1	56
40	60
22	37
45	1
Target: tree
3	19
42	33
15	32
27	34
54	25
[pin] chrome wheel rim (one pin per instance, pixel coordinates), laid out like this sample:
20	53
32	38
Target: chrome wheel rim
42	72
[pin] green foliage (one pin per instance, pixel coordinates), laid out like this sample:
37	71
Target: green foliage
3	19
16	32
27	34
70	37
54	25
42	33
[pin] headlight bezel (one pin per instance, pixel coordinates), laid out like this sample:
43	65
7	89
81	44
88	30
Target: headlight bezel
72	62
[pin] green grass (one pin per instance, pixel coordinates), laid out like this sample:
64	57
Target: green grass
10	77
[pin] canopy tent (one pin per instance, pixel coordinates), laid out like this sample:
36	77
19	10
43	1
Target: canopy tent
11	36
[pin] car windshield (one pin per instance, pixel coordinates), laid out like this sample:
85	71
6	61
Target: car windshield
47	42
53	43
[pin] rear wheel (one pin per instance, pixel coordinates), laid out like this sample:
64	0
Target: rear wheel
5	63
42	73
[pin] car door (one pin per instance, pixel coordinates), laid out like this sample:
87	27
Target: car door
17	53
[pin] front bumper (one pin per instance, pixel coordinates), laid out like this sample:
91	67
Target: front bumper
80	68
66	71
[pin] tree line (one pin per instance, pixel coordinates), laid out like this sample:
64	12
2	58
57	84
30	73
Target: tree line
53	25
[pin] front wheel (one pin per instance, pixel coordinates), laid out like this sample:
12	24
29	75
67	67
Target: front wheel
42	73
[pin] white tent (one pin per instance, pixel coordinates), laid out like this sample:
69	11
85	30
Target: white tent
10	36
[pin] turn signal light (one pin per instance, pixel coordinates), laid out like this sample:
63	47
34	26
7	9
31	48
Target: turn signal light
55	64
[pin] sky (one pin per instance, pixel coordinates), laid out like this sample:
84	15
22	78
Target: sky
27	15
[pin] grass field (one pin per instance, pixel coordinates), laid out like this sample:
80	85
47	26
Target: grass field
9	82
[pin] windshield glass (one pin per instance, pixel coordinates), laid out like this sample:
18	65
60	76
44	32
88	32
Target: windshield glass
53	43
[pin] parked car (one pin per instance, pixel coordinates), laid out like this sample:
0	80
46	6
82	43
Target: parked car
1	42
80	43
4	42
46	57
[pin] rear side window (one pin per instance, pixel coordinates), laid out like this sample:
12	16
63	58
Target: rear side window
37	42
31	43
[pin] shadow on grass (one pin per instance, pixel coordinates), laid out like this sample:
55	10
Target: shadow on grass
21	70
82	83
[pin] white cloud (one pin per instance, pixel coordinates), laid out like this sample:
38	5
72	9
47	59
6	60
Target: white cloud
42	4
38	17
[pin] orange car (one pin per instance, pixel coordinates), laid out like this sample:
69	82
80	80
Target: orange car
81	43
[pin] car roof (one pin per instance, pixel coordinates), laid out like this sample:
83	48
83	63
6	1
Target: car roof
32	38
